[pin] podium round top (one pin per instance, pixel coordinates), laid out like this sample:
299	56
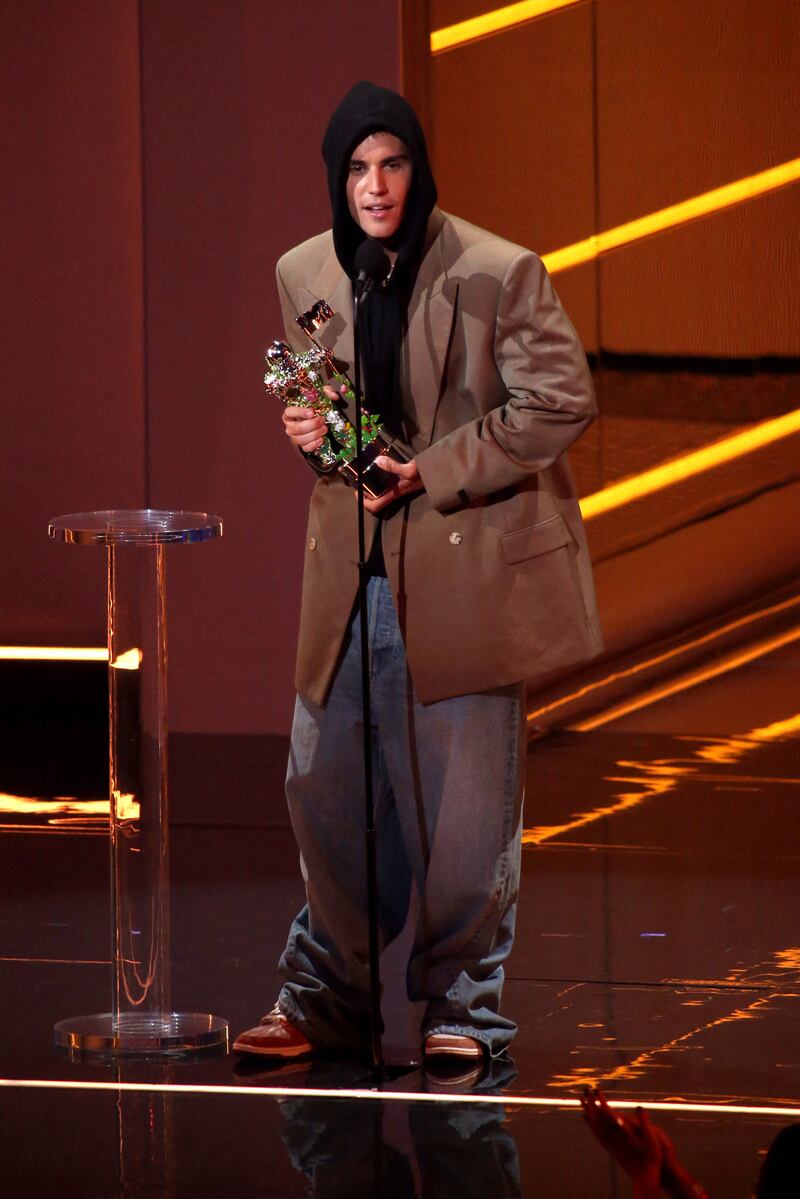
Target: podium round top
138	526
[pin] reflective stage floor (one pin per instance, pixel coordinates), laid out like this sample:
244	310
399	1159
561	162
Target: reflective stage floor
657	955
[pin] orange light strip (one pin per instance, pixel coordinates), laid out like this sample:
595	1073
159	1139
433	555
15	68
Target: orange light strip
724	750
53	653
693	679
725	1109
687	465
647	1059
650	788
90	826
661	777
648	663
675	214
60	805
495	21
776	730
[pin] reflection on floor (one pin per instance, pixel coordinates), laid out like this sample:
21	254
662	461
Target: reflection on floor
657	955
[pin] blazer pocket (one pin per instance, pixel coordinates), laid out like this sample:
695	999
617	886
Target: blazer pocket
548	535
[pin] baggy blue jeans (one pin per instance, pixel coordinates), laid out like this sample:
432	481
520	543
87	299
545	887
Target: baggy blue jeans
448	787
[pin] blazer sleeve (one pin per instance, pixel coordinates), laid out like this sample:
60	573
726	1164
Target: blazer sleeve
550	398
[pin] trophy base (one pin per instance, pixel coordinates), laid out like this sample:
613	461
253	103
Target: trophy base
376	481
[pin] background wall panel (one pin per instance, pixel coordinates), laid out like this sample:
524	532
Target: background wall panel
681	98
504	111
690	97
236	99
145	216
512	136
71	302
724	286
593	115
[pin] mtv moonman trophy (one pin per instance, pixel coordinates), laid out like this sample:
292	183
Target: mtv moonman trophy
292	376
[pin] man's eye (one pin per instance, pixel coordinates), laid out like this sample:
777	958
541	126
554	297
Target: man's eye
356	168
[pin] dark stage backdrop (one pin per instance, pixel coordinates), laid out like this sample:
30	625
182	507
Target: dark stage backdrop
157	160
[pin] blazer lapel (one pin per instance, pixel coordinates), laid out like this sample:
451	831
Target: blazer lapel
431	314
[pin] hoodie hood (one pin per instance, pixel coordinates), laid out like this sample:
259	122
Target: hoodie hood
367	109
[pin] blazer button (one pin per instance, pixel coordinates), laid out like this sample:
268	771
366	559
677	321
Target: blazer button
312	543
455	539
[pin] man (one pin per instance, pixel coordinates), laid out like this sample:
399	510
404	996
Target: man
480	579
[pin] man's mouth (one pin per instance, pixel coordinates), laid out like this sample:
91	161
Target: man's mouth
378	209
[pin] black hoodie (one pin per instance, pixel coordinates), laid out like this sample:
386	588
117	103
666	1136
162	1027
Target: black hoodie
367	109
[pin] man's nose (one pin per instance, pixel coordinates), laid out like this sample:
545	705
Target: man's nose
375	181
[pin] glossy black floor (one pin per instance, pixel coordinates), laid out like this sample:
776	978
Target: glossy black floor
657	954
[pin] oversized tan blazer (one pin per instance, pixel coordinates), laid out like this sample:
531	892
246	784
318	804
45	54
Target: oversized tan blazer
489	566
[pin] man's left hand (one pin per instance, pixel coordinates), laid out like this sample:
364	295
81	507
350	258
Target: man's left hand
407	482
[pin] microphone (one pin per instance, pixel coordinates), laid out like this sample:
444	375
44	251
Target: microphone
372	264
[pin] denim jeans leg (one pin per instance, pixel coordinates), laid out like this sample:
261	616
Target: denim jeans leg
325	964
456	768
448	782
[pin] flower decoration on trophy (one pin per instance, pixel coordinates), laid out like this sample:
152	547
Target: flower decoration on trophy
300	377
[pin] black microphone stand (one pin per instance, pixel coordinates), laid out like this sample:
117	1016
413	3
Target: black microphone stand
360	291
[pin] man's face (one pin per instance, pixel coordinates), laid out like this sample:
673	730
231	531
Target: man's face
378	182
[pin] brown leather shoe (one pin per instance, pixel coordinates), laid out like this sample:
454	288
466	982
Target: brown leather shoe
275	1036
452	1044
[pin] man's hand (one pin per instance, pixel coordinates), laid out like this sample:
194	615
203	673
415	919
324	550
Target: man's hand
408	481
304	428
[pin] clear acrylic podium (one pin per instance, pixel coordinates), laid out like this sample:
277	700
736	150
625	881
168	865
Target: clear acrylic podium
141	1020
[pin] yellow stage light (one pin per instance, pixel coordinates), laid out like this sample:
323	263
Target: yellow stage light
649	663
694	463
27	805
131	659
53	653
126	806
676	214
493	22
702	675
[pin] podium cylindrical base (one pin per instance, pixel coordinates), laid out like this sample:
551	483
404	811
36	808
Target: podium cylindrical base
132	1033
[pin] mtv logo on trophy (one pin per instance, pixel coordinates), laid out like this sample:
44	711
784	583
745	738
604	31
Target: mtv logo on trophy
299	378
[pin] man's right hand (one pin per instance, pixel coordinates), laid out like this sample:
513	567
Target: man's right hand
304	428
